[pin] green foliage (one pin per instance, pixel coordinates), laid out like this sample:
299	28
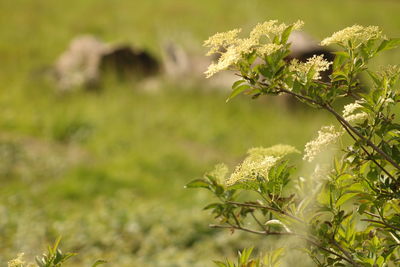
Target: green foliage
346	212
271	259
53	258
65	157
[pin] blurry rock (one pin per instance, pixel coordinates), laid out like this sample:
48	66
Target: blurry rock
79	64
127	62
87	59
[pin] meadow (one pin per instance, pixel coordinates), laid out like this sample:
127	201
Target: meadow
106	170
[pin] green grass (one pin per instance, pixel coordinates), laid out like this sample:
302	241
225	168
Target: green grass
106	170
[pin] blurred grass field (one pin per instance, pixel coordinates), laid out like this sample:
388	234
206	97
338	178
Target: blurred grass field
106	170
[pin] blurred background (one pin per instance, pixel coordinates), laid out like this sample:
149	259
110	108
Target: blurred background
104	163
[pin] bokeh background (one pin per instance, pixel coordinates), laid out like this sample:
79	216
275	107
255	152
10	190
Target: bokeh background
106	169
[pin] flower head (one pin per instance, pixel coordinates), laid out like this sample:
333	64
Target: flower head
221	40
326	136
229	58
17	262
251	169
275	151
268	49
317	63
357	34
271	28
233	49
350	115
259	162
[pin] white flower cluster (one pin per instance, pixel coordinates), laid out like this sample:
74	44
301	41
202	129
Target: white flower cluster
271	28
317	63
251	169
19	262
326	136
276	151
221	41
350	115
390	71
232	48
259	162
268	49
356	34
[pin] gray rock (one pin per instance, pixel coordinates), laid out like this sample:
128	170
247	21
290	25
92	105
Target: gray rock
87	59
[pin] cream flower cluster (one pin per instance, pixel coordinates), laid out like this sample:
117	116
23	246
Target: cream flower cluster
271	28
268	49
19	262
221	41
251	169
350	115
318	63
259	162
276	151
232	48
326	136
357	34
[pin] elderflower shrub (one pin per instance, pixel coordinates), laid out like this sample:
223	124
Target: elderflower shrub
345	213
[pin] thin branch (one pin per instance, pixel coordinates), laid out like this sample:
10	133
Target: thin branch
340	119
328	250
383	223
366	151
266	233
372	214
345	252
265	207
249	230
236	219
374	147
258	222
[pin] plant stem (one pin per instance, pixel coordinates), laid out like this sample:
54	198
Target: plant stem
366	152
342	120
265	207
369	143
349	260
383	223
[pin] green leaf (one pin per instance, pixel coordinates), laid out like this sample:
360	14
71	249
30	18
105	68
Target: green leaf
198	183
99	262
212	206
238	90
220	264
286	33
388	44
237	83
374	77
344	198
